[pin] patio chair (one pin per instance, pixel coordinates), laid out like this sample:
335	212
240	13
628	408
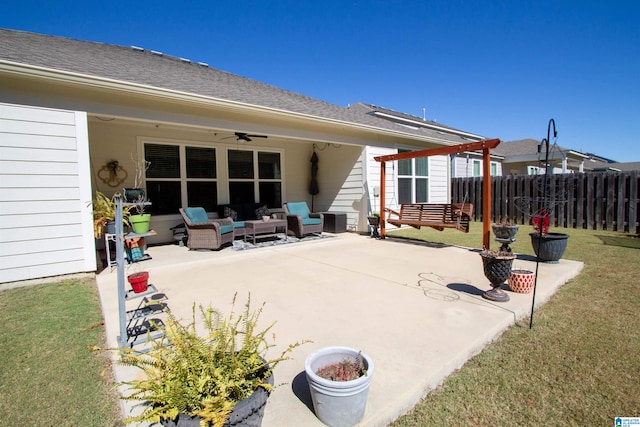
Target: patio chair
204	233
300	221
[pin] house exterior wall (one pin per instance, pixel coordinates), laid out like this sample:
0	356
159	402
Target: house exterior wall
439	183
372	181
46	227
341	177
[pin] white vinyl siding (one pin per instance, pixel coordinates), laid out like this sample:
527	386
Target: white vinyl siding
439	180
46	227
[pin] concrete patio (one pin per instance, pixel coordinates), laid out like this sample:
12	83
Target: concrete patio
417	310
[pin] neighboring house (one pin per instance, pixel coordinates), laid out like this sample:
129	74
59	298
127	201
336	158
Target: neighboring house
522	158
69	108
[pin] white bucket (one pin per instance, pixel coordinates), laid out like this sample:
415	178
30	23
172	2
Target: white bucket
338	403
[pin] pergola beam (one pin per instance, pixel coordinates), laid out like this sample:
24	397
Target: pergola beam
485	145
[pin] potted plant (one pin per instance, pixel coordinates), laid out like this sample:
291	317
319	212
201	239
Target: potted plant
506	230
374	222
139	281
141	166
497	268
521	280
339	379
140	220
219	378
104	214
548	247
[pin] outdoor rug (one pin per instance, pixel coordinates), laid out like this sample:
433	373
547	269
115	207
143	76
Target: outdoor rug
240	245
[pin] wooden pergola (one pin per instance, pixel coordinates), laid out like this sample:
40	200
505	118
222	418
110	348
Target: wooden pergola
485	145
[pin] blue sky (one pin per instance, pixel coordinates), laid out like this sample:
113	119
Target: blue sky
496	68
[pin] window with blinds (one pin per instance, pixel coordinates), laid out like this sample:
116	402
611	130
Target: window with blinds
180	171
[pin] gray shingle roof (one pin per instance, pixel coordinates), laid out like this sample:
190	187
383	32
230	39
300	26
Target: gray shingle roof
628	166
144	67
522	146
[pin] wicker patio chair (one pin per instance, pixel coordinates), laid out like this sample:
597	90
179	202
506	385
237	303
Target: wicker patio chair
300	221
204	233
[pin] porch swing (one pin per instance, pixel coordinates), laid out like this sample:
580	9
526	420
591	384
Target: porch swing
435	215
439	215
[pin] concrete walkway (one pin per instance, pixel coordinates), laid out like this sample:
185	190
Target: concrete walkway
416	310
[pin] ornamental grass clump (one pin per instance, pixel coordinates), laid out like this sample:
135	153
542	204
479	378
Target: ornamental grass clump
203	375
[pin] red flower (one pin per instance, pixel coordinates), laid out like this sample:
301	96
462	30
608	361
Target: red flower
541	219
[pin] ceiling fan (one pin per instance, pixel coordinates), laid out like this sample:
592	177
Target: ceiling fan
247	137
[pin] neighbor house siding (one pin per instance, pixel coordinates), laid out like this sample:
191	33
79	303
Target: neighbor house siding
439	186
46	227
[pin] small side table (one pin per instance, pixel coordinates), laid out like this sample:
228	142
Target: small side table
335	222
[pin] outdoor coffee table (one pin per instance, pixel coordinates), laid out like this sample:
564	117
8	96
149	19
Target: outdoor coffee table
259	229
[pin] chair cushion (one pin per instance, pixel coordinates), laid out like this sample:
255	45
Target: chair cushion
299	208
311	221
197	215
238	224
224	229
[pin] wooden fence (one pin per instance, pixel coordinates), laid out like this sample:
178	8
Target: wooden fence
595	200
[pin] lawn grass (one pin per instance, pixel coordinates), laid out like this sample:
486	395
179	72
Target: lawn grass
579	365
48	374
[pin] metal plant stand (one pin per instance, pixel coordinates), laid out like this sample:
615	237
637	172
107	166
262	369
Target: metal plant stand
506	238
135	326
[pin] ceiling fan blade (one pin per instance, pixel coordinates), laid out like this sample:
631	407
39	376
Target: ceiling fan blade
247	137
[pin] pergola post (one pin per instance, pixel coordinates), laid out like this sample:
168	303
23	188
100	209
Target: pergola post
383	180
486	193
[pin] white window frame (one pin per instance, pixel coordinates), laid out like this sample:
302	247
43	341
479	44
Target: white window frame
182	152
256	171
414	177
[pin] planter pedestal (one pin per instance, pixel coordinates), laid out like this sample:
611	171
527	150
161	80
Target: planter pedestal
374	223
497	269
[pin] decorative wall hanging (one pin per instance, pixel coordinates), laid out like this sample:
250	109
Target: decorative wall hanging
112	174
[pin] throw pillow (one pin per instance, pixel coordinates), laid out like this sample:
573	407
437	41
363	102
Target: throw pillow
230	213
262	211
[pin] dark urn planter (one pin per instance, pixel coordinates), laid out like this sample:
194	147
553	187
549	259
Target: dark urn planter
506	232
131	195
374	222
549	247
247	413
497	269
